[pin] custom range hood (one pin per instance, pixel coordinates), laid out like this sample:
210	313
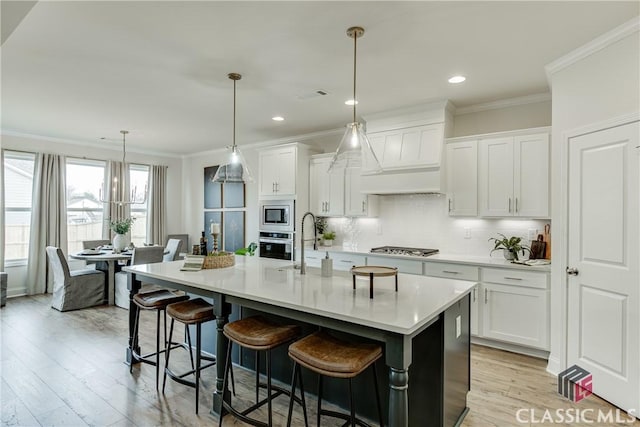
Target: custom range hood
410	146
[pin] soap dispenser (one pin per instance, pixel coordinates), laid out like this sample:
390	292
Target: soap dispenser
326	266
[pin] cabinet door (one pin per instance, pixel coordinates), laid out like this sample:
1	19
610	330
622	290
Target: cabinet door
318	186
515	314
495	166
531	174
403	265
355	202
462	178
268	172
285	170
335	199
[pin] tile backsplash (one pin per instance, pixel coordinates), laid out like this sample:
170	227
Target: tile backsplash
421	220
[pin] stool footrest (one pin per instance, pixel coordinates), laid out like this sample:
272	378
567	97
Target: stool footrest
180	377
242	415
144	358
345	417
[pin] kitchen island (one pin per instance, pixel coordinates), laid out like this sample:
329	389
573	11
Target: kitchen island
425	325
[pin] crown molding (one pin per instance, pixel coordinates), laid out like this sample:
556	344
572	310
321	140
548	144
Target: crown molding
505	103
595	45
95	144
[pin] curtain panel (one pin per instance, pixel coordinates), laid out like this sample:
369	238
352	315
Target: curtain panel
157	205
48	218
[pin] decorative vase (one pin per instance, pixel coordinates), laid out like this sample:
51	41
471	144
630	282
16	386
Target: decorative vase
508	255
328	242
120	241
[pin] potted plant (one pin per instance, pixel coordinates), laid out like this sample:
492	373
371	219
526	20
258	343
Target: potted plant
510	246
328	237
121	227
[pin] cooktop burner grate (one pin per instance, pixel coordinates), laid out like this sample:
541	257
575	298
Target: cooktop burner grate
399	250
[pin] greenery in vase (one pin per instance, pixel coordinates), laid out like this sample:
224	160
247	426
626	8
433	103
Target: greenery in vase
511	244
329	235
121	226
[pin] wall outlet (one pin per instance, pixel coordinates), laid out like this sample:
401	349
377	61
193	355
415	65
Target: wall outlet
533	234
467	233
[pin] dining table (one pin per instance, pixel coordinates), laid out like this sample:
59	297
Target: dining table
111	258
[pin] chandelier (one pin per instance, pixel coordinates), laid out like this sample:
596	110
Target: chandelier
119	188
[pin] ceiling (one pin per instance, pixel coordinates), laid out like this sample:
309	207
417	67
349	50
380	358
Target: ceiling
83	70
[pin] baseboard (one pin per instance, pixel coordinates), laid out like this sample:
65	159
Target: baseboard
514	348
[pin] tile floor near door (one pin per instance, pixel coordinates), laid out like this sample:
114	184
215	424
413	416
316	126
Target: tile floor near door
67	369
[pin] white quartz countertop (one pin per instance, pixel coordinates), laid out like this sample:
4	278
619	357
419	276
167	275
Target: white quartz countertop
440	257
419	299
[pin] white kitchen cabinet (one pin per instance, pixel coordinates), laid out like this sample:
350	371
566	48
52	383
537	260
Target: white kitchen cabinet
278	171
451	271
403	265
514	176
515	307
342	261
462	178
326	190
409	148
357	203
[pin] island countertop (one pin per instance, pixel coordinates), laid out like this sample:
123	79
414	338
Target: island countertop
419	300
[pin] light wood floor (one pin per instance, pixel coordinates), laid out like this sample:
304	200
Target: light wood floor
67	369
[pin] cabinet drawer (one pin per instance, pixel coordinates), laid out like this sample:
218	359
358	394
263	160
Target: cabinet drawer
451	271
344	262
529	279
403	265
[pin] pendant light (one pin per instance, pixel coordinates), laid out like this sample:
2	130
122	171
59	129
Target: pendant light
355	149
119	187
235	169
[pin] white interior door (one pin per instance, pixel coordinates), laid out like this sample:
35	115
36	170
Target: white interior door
603	292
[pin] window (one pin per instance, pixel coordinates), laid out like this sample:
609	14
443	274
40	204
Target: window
84	209
18	190
138	182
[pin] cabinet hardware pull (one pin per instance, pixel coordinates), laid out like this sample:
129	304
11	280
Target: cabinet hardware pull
449	205
346	260
474	294
328	206
509	204
512	278
363	206
273	187
516	205
277	185
486	296
451	272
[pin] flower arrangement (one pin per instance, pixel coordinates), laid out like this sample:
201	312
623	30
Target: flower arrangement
121	226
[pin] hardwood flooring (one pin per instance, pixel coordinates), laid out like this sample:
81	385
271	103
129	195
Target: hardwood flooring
67	369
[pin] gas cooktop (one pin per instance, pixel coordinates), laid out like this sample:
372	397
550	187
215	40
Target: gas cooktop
399	250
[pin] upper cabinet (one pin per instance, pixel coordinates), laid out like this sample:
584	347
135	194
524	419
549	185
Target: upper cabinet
337	193
326	190
514	176
278	171
462	178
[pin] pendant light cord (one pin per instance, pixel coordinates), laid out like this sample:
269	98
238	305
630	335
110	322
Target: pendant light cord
234	116
355	54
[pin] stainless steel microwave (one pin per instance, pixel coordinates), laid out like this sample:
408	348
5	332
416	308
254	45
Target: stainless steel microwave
277	215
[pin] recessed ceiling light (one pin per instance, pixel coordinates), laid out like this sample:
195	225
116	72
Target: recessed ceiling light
351	102
277	118
457	79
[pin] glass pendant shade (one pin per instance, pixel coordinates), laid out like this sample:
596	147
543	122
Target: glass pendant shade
355	151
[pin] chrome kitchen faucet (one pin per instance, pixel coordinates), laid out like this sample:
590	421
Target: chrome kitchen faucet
315	240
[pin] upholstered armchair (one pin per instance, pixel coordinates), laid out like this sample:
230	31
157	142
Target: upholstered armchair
174	246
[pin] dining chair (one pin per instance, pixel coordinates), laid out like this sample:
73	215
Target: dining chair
76	289
172	250
94	244
140	255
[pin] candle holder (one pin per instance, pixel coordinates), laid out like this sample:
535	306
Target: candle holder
215	242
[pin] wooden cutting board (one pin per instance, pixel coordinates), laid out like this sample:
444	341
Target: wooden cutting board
537	248
546	237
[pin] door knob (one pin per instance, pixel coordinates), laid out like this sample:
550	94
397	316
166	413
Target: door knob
572	271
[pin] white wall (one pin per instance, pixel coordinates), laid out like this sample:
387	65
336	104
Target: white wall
596	88
422	221
16	284
512	117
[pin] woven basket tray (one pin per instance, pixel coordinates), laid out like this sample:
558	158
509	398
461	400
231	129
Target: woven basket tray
225	259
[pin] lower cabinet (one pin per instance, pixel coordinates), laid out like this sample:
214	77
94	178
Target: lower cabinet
342	261
403	265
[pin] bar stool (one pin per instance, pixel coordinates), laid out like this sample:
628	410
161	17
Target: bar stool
192	312
259	334
332	357
155	300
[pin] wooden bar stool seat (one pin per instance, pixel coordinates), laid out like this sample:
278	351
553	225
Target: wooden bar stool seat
155	300
192	312
332	357
259	334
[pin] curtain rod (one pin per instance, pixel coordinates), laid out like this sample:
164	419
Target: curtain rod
73	157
